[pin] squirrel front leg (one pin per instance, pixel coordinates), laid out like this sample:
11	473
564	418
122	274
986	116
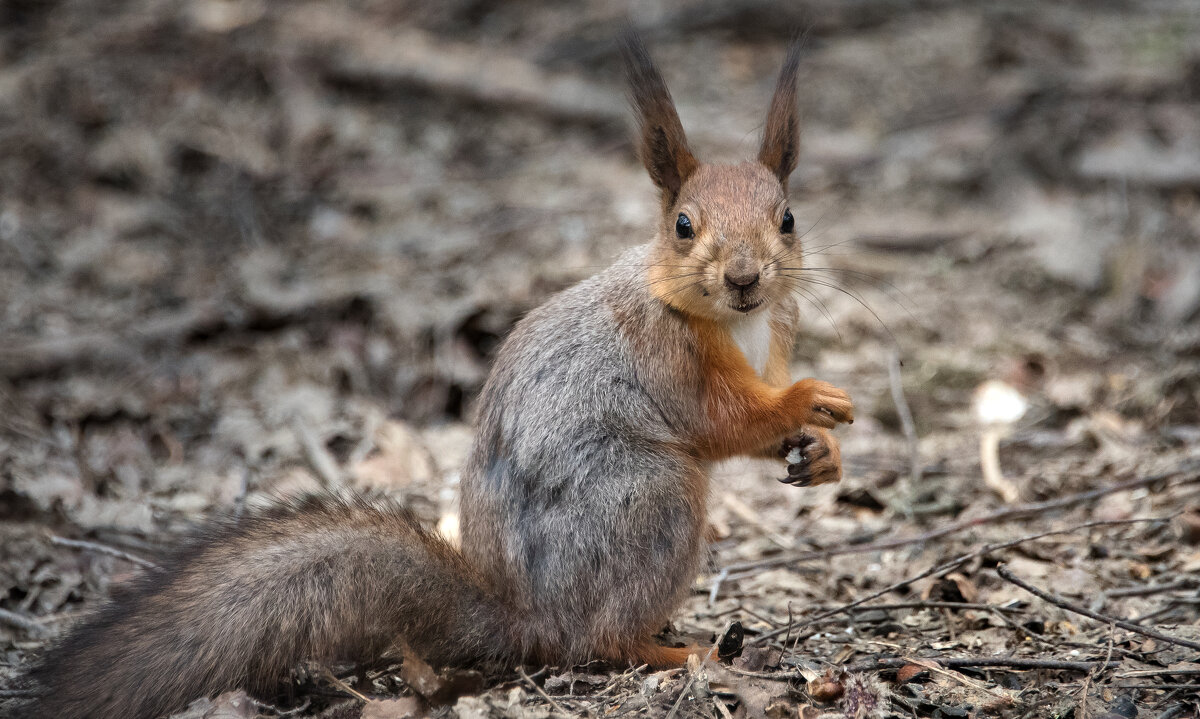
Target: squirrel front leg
744	414
820	454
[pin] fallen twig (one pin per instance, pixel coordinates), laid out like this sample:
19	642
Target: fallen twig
687	688
951	564
931	604
102	549
1000	661
927	604
478	74
906	419
259	302
1081	705
319	458
715	589
1185	583
1155	686
542	692
339	684
1021	511
1058	601
19	358
937	668
22	622
1164	672
1161	611
875	665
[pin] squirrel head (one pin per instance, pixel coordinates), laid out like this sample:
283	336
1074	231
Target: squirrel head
726	244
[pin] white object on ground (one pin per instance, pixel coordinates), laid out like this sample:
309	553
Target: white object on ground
997	405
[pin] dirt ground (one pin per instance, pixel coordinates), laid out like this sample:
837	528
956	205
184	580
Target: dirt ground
250	249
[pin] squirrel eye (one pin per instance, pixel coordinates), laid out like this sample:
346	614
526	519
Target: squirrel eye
788	224
683	227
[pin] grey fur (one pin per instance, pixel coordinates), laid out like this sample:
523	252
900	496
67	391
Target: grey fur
572	488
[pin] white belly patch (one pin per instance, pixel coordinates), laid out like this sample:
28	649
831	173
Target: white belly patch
752	335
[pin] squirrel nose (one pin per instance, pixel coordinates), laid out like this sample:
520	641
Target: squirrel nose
741	280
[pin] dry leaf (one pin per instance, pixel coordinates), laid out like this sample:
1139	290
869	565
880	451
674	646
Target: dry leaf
828	687
1140	571
418	675
965	586
392	708
1188	525
230	705
780	708
753	658
909	672
755	695
399	460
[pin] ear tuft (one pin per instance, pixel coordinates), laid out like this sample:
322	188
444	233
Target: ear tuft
781	136
662	145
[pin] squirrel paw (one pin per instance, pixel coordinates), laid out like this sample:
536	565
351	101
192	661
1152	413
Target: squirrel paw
813	458
828	405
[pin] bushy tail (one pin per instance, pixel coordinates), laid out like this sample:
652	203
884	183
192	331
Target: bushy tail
320	579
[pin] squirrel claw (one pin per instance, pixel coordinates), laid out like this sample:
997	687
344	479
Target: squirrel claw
811	459
797	480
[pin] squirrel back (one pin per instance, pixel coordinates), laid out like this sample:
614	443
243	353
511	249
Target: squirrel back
579	484
583	498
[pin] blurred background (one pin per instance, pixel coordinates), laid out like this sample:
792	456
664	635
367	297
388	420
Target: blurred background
252	248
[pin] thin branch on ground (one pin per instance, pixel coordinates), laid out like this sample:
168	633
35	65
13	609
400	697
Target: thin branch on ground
481	75
22	622
687	688
1142	591
542	692
37	356
1164	672
343	686
1081	706
1155	686
1058	601
1021	511
906	419
102	549
957	561
855	613
320	459
932	604
998	661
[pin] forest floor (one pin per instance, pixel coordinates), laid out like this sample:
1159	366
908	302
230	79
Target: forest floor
254	249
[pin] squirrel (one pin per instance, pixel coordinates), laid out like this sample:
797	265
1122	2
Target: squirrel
583	516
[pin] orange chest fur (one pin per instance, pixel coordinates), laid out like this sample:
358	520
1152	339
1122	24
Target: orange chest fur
736	397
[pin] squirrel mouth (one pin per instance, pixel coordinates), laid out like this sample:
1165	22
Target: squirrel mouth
748	306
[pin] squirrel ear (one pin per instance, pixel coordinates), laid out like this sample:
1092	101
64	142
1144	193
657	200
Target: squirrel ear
781	136
662	146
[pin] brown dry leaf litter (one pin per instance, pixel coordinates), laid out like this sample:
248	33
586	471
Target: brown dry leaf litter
251	249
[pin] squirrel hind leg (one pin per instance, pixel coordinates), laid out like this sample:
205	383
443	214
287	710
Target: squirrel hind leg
658	656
